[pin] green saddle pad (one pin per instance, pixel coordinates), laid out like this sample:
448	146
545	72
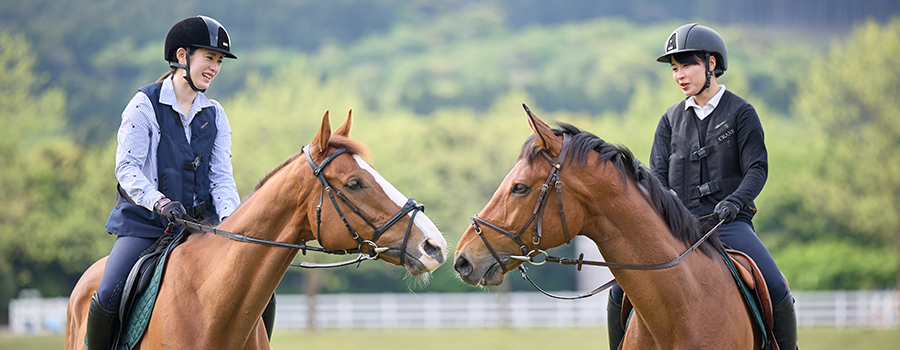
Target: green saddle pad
143	306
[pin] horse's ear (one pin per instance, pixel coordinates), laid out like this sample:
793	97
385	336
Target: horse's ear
544	134
344	129
320	142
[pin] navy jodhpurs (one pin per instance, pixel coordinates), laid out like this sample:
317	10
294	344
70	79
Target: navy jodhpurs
739	235
124	254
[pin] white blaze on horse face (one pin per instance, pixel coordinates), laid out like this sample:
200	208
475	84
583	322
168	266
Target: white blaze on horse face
432	233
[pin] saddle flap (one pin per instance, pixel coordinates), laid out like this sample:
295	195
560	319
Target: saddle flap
759	286
134	283
139	280
743	271
753	277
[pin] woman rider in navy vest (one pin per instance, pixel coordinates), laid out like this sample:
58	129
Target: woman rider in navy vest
173	160
709	150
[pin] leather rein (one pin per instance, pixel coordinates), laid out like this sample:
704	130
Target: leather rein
372	250
553	179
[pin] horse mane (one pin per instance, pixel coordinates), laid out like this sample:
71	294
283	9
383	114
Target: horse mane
683	224
336	141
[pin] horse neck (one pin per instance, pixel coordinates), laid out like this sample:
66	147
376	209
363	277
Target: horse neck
276	211
629	230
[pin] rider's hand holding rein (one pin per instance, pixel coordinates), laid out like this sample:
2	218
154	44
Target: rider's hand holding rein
726	211
169	209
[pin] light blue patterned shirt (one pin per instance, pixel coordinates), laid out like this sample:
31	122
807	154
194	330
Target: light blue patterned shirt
138	139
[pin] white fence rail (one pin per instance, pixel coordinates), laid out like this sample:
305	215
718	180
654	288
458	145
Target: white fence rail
438	310
866	309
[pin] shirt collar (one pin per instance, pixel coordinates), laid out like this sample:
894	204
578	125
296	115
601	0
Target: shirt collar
167	96
713	102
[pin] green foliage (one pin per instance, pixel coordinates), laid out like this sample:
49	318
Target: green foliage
581	66
101	51
827	264
849	100
51	225
849	103
433	55
273	118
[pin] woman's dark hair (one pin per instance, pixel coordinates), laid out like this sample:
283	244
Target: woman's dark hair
165	75
695	57
689	57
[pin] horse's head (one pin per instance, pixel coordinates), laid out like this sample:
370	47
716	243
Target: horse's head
358	208
523	217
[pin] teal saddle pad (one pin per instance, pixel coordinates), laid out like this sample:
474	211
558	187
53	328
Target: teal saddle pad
750	299
142	308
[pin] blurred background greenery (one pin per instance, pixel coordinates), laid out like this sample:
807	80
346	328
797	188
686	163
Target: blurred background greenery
436	88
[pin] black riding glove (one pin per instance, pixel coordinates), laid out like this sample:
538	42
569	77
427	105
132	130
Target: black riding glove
726	211
170	209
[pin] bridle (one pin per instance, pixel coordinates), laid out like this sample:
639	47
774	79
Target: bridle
372	250
410	206
536	214
536	218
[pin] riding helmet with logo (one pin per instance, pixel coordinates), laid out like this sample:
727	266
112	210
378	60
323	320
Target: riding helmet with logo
695	37
198	32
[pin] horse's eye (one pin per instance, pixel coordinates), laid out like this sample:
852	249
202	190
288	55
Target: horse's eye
354	184
519	189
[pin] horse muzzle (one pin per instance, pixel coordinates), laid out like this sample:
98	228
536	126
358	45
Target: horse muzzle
485	273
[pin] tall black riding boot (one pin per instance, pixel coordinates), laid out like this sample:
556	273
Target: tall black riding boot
102	326
614	324
268	316
785	327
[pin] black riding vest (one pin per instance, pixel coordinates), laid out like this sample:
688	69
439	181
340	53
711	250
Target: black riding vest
183	171
715	149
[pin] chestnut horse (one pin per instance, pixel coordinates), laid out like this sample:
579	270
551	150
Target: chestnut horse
606	195
214	289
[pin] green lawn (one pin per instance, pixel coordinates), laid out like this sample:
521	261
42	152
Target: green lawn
493	339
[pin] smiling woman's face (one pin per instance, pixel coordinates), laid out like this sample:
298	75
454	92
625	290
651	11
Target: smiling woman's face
205	64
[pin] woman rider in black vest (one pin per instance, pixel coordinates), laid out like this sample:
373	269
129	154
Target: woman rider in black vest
709	150
173	160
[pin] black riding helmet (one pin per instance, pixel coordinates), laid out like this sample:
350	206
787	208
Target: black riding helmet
196	32
695	37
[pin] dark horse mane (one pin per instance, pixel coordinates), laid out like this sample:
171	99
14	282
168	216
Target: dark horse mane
336	141
683	224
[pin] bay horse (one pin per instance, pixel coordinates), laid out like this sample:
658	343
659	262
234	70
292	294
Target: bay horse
214	289
612	199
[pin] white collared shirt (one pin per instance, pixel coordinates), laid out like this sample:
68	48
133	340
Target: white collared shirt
703	112
138	140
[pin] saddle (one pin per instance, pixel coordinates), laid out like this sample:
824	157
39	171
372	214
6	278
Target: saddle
753	289
141	288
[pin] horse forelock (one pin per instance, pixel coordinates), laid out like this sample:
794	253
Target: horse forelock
683	224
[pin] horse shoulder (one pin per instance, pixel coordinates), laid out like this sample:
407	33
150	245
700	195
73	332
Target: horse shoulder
79	304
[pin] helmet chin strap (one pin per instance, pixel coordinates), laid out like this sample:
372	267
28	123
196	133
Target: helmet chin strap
187	69
708	75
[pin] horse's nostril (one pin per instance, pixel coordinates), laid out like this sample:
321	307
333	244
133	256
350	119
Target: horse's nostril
433	251
462	266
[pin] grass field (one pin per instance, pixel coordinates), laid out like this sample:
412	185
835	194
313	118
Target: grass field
493	339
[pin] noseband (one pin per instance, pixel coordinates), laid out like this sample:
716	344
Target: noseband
536	214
